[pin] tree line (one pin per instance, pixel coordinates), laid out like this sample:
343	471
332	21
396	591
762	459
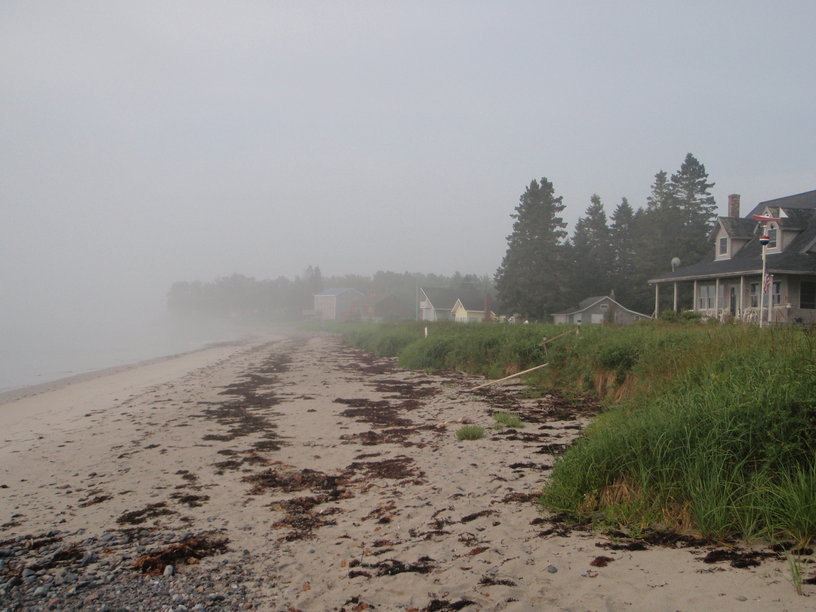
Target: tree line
545	271
284	299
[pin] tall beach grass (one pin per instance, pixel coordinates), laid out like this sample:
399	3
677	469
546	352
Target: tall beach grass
706	428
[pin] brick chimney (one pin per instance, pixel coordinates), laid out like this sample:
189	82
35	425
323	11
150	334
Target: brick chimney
733	205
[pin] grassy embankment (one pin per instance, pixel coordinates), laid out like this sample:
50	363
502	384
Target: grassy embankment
708	429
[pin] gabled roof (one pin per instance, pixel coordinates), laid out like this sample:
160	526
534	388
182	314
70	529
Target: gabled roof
795	218
738	228
800	200
440	298
589	302
798	257
443	298
472	302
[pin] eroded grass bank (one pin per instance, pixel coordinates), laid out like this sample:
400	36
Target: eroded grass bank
706	428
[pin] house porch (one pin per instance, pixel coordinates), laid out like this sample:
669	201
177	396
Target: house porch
738	298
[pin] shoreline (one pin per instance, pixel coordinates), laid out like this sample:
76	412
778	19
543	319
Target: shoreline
17	393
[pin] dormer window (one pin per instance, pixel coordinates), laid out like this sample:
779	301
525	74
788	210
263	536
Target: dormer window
723	246
772	233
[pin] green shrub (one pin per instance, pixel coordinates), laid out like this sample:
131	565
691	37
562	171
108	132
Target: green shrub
470	432
389	344
508	419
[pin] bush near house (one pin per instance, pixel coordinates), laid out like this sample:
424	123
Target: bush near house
705	428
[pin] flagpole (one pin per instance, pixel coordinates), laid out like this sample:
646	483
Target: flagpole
762	284
770	299
764	239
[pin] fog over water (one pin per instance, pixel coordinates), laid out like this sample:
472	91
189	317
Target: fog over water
147	142
48	350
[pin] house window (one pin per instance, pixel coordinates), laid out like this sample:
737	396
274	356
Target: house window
723	246
807	294
776	293
604	306
705	297
772	238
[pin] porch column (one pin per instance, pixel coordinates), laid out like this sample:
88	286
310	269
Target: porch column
657	300
717	298
742	292
675	296
694	297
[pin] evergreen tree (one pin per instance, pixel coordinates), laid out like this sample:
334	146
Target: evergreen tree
696	206
659	230
658	237
678	218
661	196
624	255
530	280
591	269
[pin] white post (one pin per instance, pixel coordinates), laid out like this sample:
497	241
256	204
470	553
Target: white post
742	292
657	300
675	296
762	288
770	300
694	303
717	298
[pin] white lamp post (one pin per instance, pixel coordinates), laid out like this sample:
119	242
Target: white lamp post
763	240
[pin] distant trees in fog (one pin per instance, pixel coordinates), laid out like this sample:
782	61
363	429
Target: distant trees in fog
545	271
246	298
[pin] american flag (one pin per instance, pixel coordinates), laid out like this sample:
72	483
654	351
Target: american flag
766	285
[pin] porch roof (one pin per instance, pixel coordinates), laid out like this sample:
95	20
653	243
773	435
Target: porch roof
798	257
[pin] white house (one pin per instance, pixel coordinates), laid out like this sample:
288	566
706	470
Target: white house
728	283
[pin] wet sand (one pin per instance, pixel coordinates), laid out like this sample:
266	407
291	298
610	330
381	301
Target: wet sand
297	473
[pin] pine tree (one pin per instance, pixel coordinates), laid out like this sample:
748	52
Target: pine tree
661	196
624	255
591	269
658	237
530	280
696	206
678	218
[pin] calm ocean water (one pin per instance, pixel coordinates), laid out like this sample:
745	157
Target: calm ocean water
45	351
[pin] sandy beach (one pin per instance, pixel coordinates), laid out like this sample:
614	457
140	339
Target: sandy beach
294	473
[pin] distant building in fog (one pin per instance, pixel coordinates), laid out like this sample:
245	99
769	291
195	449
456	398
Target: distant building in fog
598	310
336	304
464	305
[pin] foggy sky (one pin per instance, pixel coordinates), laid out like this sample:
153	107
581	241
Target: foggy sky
146	142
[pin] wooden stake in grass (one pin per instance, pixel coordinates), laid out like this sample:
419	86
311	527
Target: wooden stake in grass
493	382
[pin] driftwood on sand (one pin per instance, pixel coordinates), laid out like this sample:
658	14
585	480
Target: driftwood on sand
545	342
